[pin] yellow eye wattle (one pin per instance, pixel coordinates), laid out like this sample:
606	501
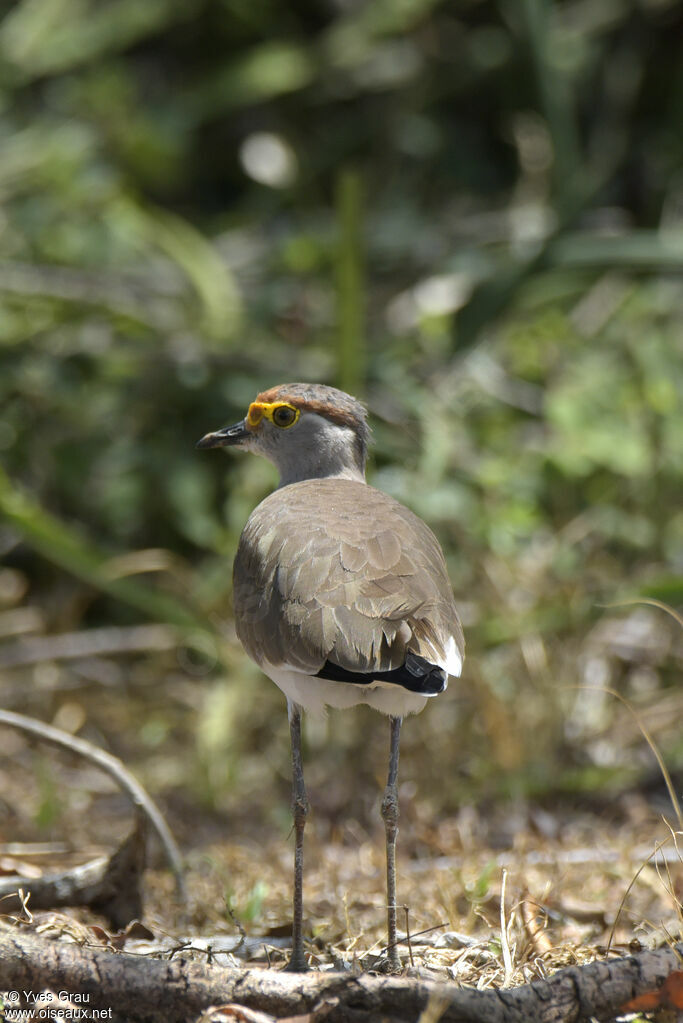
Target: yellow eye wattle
278	413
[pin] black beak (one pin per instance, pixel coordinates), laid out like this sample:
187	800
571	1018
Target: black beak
229	436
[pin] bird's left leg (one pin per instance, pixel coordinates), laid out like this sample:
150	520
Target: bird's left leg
390	817
297	963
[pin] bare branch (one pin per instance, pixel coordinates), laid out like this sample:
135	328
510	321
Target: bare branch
87	643
108	884
115	769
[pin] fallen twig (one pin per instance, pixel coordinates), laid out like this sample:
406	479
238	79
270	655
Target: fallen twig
87	643
115	769
108	884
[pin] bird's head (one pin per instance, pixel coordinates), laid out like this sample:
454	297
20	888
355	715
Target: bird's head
308	431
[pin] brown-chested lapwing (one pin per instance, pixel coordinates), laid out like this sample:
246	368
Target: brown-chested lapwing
341	593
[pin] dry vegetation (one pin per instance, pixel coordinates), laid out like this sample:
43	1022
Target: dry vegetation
584	878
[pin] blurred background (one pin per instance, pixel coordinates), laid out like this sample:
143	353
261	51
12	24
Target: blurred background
469	215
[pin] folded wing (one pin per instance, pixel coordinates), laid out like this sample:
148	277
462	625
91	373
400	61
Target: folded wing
333	576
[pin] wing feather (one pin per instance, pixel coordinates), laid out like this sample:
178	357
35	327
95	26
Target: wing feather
335	570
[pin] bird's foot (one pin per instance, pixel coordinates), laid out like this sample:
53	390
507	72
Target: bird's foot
297	964
389	964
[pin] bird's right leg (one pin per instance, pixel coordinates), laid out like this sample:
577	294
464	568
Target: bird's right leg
297	963
390	817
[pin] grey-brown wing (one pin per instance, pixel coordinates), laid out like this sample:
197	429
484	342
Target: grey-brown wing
335	570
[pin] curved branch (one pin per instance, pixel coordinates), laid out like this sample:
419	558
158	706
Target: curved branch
115	769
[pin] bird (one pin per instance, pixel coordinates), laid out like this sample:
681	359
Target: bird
341	594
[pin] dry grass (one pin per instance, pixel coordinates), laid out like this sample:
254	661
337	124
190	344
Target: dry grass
569	899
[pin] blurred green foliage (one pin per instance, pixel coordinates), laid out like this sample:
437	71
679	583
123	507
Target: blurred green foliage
470	214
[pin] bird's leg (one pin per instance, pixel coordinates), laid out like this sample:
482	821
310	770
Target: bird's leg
297	963
390	817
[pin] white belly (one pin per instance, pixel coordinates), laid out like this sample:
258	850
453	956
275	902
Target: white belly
316	694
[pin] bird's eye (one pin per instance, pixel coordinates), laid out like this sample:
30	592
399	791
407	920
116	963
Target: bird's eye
285	415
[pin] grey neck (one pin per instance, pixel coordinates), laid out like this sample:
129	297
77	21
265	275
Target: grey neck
323	450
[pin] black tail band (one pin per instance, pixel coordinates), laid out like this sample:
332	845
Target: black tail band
416	674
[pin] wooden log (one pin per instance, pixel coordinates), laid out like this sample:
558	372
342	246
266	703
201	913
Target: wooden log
142	990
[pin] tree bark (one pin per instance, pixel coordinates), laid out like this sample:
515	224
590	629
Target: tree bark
142	990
